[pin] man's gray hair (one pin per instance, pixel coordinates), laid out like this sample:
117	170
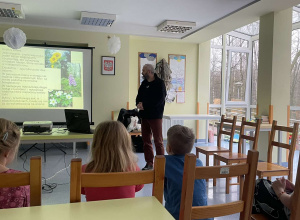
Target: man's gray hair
150	67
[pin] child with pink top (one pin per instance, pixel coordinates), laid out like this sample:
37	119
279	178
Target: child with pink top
111	152
12	197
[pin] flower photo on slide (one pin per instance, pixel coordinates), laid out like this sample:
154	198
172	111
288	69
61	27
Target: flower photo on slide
57	58
71	79
59	98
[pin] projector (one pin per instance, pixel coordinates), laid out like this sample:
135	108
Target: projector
37	126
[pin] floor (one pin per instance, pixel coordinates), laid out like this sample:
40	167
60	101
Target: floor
55	172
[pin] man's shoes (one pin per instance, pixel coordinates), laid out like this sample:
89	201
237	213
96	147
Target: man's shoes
148	167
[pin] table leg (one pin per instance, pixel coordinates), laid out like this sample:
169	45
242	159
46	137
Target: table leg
74	149
45	152
206	132
279	160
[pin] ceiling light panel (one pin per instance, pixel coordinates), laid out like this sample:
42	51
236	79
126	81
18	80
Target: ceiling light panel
11	11
176	26
97	19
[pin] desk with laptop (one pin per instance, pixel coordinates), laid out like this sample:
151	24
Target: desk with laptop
78	130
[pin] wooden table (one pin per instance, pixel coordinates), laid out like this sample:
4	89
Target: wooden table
58	135
146	208
171	118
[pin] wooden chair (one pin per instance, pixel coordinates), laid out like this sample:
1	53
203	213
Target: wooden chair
32	178
242	206
295	210
268	169
239	157
210	150
79	179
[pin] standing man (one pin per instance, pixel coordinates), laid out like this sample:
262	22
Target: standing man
150	100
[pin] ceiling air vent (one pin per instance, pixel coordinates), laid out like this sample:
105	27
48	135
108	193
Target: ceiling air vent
11	11
97	19
176	26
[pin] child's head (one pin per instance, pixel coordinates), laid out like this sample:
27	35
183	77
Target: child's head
181	140
9	140
111	149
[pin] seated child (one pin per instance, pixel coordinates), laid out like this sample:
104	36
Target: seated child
12	197
112	151
273	199
181	140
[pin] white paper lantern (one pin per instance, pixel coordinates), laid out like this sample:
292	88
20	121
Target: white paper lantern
114	45
14	38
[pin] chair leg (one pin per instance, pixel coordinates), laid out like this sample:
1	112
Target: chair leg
242	180
207	163
214	179
197	153
227	182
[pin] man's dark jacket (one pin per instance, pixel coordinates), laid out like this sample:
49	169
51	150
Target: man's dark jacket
152	95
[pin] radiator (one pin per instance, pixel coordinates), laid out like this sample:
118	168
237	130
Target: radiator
166	125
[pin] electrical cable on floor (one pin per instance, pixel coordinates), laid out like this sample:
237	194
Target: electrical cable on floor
49	187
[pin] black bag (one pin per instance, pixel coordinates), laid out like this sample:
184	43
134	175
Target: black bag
138	143
124	116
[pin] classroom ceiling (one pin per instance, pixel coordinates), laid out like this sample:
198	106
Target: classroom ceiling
141	17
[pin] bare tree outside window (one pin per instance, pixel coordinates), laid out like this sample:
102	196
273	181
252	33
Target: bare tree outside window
238	48
215	76
249	29
238	76
255	50
295	76
236	41
217	41
296	17
295	68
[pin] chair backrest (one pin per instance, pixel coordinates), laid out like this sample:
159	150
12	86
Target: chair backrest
32	178
290	146
155	176
254	139
191	172
231	124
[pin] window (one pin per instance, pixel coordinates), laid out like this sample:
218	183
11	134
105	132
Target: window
236	41
254	72
215	76
237	76
241	66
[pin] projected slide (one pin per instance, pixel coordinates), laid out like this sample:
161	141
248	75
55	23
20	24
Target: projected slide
40	78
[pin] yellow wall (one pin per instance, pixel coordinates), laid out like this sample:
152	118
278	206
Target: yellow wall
113	92
203	83
164	47
109	92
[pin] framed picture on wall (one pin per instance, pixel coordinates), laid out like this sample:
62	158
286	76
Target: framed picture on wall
145	58
177	65
108	65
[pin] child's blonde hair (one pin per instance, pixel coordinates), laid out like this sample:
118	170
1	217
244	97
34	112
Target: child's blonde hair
9	136
181	139
112	149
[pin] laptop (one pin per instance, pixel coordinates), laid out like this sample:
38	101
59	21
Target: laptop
77	120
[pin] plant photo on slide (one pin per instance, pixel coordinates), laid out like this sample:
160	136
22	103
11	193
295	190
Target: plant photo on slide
71	79
59	98
56	58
